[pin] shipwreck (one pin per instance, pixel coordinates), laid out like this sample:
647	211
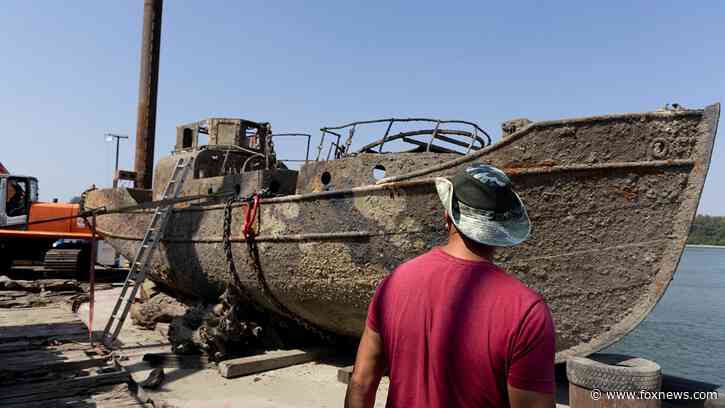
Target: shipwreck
611	199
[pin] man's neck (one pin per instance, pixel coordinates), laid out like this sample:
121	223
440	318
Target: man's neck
459	248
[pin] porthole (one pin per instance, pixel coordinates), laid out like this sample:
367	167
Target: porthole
378	172
326	178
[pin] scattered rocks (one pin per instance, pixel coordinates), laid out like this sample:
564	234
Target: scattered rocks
160	308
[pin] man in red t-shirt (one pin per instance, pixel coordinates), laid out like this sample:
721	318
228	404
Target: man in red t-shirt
453	329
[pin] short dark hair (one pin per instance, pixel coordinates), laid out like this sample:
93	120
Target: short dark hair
469	242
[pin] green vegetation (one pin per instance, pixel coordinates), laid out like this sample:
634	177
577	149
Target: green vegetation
707	230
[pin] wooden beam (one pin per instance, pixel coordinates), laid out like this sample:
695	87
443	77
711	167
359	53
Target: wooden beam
49	390
268	361
48	360
114	396
344	374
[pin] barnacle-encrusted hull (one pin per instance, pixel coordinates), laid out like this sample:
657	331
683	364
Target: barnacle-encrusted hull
611	200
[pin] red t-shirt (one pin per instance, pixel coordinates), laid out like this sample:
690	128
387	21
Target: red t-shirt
455	332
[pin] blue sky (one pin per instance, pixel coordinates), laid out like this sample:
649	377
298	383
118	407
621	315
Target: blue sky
70	70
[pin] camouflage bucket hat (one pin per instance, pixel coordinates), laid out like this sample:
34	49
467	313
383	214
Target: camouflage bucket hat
484	207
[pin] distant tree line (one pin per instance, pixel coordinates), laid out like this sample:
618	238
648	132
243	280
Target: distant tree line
707	230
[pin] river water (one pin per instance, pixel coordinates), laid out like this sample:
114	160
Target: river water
685	334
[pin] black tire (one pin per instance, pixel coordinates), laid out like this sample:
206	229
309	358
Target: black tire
614	372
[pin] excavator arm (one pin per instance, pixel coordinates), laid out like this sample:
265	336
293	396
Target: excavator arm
10	233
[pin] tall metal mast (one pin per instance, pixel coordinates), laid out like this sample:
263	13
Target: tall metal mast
147	94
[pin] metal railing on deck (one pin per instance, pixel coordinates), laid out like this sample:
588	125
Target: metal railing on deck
447	140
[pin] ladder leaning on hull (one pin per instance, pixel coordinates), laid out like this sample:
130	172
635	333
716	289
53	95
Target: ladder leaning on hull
145	252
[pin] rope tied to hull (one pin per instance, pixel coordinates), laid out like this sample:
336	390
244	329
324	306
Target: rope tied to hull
251	214
249	217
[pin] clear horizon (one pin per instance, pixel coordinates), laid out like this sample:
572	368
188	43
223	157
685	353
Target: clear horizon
71	71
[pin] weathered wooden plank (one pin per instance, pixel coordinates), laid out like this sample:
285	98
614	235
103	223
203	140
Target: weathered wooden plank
104	397
64	388
50	360
62	375
13	293
40	285
33	314
264	362
40	323
57	331
27	320
344	374
42	344
18	345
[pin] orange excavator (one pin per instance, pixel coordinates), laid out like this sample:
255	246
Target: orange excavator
62	244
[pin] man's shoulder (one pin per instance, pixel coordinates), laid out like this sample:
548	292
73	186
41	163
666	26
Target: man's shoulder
435	259
517	289
415	272
422	261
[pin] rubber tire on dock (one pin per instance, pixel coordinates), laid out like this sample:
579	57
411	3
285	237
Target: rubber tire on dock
614	372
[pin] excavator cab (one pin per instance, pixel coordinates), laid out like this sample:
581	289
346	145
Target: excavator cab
17	193
39	242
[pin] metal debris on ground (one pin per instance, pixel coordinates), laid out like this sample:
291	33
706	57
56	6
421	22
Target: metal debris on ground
154	379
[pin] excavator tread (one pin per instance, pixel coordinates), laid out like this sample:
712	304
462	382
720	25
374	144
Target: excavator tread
63	259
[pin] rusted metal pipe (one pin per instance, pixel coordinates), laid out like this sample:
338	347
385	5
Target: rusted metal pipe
147	93
92	278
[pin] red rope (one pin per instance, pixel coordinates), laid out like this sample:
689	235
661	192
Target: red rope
250	215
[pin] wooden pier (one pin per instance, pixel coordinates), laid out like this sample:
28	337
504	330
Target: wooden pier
47	361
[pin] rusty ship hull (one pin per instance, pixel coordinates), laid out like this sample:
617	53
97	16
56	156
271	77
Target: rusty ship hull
611	199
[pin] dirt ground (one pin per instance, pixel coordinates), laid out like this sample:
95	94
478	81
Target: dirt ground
302	386
305	385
